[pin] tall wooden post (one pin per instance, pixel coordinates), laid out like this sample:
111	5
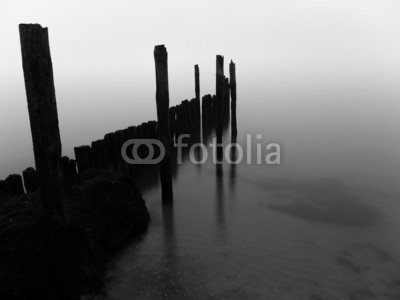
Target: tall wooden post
42	107
197	90
232	77
225	101
219	104
197	81
162	99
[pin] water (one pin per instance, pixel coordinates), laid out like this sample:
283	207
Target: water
322	225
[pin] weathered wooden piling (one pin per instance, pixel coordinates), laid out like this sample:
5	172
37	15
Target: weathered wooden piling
102	154
226	104
194	116
120	139
232	85
219	104
84	158
172	121
14	184
207	114
178	121
72	168
111	149
197	91
132	134
197	81
185	115
99	155
162	100
65	167
95	155
3	187
42	107
30	180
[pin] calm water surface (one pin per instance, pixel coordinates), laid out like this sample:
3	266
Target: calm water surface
322	225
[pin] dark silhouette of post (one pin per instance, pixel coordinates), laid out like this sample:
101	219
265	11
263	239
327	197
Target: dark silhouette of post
72	168
84	158
120	139
197	90
232	78
162	99
3	187
225	101
42	107
219	98
15	186
30	180
197	81
111	149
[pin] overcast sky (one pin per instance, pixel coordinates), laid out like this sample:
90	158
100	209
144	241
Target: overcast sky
103	62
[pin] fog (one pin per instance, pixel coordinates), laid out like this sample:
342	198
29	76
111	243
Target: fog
306	62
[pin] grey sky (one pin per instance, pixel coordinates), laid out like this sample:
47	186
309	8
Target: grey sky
103	56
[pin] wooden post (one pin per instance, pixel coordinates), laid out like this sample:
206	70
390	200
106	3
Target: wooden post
172	120
194	116
214	110
132	134
30	180
103	154
197	81
3	187
72	168
219	104
42	107
226	103
206	114
120	140
65	168
111	149
232	77
15	186
162	100
197	90
96	155
178	121
84	158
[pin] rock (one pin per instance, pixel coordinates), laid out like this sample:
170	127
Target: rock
105	209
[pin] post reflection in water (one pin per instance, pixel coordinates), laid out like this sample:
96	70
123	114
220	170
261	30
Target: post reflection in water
233	157
168	284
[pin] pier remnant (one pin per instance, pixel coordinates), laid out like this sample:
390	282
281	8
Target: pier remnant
14	185
232	78
226	106
30	180
219	98
3	187
197	81
162	100
42	108
111	149
120	139
84	158
197	91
